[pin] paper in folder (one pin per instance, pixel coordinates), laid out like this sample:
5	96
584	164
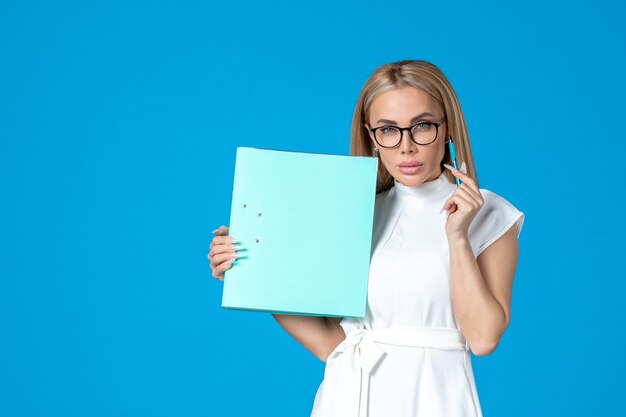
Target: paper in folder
305	221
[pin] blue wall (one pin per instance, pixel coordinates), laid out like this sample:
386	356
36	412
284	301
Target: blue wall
118	128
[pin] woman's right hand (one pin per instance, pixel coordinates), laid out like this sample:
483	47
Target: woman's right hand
222	252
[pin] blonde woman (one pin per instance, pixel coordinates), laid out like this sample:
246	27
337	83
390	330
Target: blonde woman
442	266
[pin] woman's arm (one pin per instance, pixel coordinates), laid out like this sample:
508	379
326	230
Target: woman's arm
319	335
481	289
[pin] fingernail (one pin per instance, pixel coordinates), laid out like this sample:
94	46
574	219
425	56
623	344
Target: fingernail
235	247
234	255
215	230
232	239
449	167
463	168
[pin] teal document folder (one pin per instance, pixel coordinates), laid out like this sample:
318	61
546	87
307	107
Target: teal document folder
305	221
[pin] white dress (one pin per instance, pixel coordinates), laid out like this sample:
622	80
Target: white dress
408	357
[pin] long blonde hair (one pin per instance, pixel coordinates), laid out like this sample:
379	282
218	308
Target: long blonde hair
428	77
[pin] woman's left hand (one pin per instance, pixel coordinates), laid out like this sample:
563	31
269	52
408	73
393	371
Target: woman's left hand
462	206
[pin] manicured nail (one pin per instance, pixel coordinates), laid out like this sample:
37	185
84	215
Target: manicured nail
450	167
463	168
215	230
234	255
232	239
235	247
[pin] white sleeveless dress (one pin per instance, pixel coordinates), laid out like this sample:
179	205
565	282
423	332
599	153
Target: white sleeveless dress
408	357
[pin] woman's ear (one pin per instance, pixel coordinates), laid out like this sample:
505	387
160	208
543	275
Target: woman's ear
367	127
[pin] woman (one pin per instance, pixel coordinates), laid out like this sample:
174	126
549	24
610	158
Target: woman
442	264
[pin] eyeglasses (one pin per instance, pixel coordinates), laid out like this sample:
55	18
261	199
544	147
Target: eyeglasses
422	133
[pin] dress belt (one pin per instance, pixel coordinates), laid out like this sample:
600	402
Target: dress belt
348	367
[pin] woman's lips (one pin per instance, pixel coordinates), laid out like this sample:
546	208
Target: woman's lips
410	169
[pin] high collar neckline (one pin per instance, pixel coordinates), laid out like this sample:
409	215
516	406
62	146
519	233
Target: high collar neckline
425	191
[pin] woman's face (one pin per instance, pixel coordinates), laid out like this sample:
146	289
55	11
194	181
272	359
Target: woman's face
404	107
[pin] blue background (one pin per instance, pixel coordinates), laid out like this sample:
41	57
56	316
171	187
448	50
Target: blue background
118	128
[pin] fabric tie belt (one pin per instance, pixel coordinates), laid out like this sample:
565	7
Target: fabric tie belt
348	367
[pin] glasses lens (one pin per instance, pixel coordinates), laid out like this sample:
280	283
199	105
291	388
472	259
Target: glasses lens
424	133
388	136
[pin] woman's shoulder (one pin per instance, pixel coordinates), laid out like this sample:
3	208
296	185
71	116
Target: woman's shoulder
494	201
495	217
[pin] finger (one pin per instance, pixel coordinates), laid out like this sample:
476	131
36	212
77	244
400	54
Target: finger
224	253
462	203
468	202
476	194
217	275
220	231
449	206
218	271
224	267
456	199
227	256
222	240
453	207
218	249
470	194
462	176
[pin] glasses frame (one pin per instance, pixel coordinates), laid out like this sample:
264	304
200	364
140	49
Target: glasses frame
408	129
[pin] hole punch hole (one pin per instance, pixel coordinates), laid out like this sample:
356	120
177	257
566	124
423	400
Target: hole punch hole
245	205
257	240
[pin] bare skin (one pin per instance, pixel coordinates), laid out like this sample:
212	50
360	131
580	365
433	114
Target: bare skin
480	287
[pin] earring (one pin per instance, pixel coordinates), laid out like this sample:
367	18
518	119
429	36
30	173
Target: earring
375	151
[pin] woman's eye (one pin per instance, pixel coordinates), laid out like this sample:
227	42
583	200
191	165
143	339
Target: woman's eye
422	126
388	130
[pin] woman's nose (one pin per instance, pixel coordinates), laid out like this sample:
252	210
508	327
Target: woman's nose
406	144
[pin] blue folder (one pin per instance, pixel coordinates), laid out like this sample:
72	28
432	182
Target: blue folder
305	221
